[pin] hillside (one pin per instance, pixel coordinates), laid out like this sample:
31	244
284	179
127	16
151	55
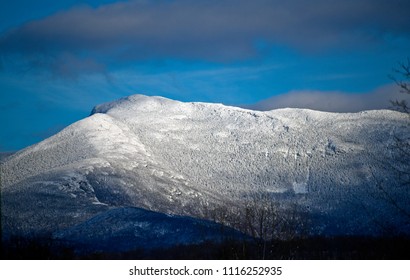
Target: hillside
315	173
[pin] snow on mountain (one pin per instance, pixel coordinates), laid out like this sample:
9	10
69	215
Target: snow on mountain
192	158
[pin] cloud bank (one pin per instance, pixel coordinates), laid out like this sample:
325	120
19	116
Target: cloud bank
340	102
211	30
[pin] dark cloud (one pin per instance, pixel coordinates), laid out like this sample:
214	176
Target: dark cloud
341	102
68	65
211	29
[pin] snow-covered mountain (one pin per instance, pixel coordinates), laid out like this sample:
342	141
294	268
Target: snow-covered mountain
336	172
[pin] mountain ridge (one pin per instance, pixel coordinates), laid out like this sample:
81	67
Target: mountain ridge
196	159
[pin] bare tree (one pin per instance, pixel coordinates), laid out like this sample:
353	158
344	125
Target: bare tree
402	143
393	191
399	164
401	77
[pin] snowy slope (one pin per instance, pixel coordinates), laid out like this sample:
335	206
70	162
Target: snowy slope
192	158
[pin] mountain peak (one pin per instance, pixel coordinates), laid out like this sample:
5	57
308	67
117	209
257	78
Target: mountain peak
197	158
134	103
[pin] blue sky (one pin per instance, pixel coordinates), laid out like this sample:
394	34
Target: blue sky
60	58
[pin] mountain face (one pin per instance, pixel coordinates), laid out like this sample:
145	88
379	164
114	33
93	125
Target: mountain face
328	173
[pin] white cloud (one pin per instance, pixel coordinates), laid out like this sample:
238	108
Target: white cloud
334	101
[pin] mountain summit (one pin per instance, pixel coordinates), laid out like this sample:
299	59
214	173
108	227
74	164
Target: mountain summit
201	160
